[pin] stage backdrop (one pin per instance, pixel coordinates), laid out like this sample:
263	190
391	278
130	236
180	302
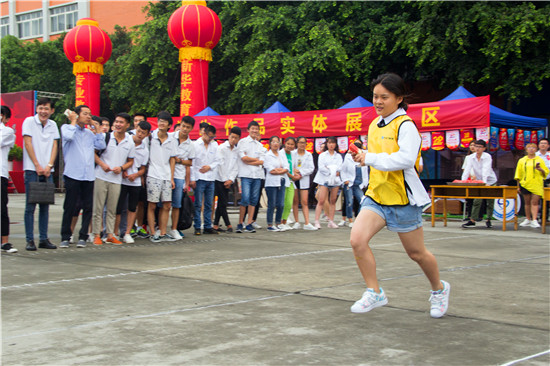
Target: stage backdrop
429	117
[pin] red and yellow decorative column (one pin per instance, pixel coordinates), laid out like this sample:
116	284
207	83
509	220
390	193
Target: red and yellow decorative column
195	30
88	47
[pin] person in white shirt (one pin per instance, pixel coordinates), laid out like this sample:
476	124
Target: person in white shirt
41	137
132	181
8	140
302	160
469	202
348	177
141	216
276	181
545	155
204	172
328	179
182	172
480	167
160	177
251	173
228	155
117	157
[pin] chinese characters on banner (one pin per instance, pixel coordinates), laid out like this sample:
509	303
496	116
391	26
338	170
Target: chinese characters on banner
453	139
426	140
438	140
87	90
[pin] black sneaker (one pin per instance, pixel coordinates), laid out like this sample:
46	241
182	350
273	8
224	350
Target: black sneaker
469	224
7	247
30	246
197	231
229	230
488	224
46	244
220	230
210	231
239	228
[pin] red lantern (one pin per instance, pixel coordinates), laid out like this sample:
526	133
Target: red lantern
195	30
88	47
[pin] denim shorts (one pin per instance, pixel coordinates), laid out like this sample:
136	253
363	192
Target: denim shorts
400	219
177	193
250	191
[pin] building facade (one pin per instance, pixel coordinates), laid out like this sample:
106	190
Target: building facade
48	19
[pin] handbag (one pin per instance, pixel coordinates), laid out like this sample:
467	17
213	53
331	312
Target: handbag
42	192
187	212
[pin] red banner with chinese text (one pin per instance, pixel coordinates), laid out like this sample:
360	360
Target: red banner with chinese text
194	87
438	140
87	91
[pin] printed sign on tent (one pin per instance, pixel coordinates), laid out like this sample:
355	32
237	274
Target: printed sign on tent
438	140
309	145
526	137
318	143
452	139
503	139
493	140
534	137
482	134
511	137
426	140
342	144
466	136
540	134
519	143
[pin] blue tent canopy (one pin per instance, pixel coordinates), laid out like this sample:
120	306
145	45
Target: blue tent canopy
207	112
277	107
500	117
357	103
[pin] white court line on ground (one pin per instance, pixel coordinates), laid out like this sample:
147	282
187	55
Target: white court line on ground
143	316
525	358
121	274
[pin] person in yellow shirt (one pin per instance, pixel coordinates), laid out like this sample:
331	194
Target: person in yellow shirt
530	173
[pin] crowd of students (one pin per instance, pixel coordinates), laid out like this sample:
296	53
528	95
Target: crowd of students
129	183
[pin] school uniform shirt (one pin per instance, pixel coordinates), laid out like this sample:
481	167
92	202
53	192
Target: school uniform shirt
228	169
546	158
408	141
254	149
272	161
159	157
116	154
78	144
186	151
141	157
327	166
482	168
42	141
347	174
304	163
8	140
529	177
205	155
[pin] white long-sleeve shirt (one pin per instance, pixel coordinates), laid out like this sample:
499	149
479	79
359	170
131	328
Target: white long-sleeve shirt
347	174
482	168
409	142
227	168
546	158
271	162
205	155
304	164
254	149
327	165
8	140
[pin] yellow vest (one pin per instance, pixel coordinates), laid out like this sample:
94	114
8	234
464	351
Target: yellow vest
387	188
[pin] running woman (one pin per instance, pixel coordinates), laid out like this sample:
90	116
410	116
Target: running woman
395	196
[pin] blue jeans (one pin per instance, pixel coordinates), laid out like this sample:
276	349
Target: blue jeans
250	191
352	193
204	191
275	199
43	215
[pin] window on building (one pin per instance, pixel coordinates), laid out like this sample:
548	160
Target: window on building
29	24
4	26
63	18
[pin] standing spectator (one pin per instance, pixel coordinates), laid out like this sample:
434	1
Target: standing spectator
105	125
481	165
78	144
302	160
182	172
204	171
530	173
141	217
291	177
545	155
131	180
7	135
117	157
160	177
251	172
41	137
348	178
469	201
227	173
276	166
328	179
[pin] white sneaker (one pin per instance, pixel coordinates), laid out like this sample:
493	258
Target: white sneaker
284	227
71	240
350	224
128	239
273	229
525	223
175	234
296	226
440	301
310	227
535	224
256	226
342	223
370	300
290	220
317	224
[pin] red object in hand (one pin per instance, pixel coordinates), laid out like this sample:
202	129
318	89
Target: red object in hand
354	149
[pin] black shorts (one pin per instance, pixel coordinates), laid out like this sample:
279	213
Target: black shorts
297	183
524	190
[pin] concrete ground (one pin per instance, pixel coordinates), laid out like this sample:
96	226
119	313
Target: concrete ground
273	299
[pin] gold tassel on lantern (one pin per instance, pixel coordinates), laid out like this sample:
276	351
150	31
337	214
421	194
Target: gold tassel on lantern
195	53
83	66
